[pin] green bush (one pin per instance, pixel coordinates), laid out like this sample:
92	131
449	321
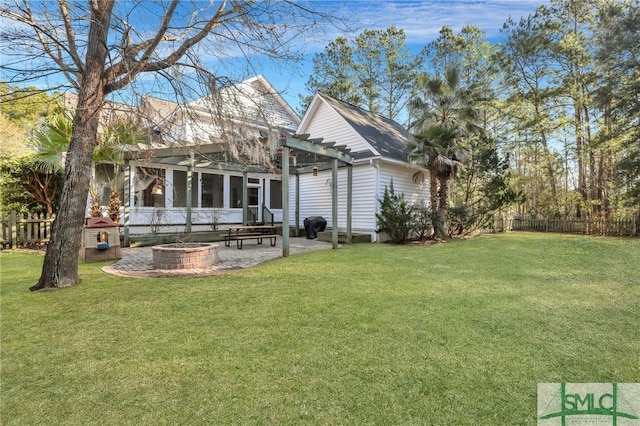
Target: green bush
422	220
395	217
462	220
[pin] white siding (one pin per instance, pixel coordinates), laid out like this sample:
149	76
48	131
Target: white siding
402	182
274	112
315	198
328	124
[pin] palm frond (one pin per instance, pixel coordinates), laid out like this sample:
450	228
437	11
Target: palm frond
51	140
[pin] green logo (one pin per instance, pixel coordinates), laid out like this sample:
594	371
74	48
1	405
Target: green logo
563	404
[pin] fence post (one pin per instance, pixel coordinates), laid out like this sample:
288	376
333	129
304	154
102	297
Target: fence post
30	223
13	230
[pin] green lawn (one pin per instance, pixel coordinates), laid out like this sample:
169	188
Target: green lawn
455	333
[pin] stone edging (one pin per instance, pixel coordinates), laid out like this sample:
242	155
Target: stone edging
169	273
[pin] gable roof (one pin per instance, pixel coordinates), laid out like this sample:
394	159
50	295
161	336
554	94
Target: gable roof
290	117
252	101
385	136
244	110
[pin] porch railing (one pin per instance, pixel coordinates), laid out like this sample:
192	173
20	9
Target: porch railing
267	215
253	214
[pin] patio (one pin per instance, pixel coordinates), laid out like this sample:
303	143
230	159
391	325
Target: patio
138	262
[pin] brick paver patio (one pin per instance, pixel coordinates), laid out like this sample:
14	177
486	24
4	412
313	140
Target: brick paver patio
138	262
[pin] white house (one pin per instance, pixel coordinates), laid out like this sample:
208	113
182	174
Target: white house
189	169
208	159
378	147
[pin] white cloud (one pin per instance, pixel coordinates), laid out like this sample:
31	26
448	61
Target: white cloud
422	20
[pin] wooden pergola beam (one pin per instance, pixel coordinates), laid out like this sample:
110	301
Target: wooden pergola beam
323	149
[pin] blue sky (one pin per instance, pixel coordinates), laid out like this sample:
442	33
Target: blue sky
421	21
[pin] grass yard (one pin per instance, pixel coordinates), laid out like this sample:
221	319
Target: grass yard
451	334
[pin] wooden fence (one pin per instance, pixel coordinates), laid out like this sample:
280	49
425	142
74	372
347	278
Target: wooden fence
17	229
617	228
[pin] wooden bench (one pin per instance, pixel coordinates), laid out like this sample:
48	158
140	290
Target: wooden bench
257	232
258	238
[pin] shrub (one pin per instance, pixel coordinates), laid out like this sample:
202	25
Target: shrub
421	221
395	217
462	220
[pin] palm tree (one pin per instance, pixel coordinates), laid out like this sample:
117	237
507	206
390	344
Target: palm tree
52	138
446	117
118	134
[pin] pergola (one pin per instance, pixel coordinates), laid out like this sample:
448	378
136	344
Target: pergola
310	156
304	147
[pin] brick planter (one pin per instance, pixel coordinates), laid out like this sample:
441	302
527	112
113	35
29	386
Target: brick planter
185	256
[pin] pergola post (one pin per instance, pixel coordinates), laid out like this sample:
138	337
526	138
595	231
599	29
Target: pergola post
189	199
334	203
127	201
349	200
285	201
297	226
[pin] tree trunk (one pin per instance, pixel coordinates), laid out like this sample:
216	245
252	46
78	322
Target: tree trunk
60	268
550	173
443	193
607	165
443	198
433	195
433	183
582	181
596	207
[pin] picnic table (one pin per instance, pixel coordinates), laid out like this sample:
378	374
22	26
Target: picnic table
239	233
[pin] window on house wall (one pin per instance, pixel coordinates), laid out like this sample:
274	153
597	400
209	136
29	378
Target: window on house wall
180	189
212	190
275	199
146	179
235	188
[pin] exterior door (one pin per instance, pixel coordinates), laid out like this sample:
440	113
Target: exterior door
255	203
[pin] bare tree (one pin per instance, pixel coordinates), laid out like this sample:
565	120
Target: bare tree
99	47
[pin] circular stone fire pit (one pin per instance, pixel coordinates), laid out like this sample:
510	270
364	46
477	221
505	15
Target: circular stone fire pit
185	255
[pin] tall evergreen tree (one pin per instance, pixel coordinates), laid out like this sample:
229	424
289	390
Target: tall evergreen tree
527	69
374	71
334	73
618	41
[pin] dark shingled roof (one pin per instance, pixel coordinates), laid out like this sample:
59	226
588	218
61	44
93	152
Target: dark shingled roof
383	134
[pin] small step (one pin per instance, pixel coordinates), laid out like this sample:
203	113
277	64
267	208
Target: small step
342	237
